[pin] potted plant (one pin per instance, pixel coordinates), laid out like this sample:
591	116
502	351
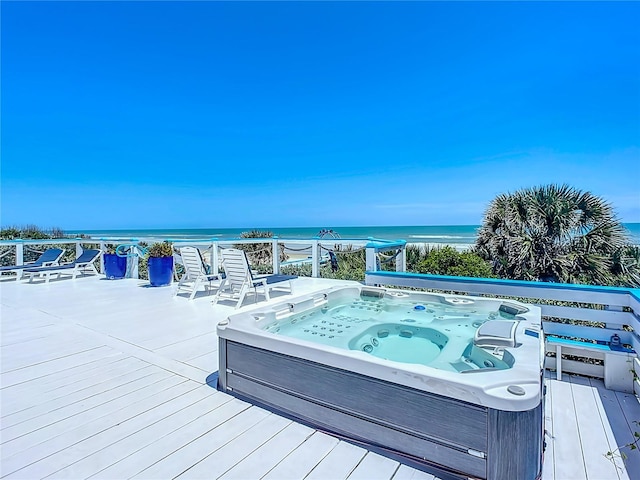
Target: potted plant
115	266
160	264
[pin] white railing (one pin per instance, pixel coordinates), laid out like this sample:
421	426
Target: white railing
316	247
617	308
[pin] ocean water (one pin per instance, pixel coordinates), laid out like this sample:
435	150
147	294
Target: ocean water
456	235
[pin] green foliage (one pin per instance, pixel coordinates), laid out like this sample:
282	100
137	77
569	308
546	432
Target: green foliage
143	267
448	261
626	266
160	249
301	270
30	232
110	248
416	254
260	255
32	251
351	265
10	233
633	445
558	234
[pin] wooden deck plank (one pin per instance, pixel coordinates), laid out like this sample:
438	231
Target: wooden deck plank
137	432
268	455
339	463
27	331
186	456
237	451
82	403
50	404
593	437
14	377
568	456
627	411
39	350
137	460
374	466
191	347
28	393
602	399
206	363
106	412
407	473
71	445
169	338
303	459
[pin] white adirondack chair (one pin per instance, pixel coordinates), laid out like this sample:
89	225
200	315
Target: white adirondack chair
239	280
195	275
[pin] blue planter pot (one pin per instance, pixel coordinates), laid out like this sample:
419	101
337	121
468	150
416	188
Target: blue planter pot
160	271
115	267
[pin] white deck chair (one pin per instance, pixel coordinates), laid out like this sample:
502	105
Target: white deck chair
195	275
239	280
83	264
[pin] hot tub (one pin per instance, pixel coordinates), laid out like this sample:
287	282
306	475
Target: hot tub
450	382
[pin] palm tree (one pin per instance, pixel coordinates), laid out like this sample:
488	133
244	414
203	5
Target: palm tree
558	234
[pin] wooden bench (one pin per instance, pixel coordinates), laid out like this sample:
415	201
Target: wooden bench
618	361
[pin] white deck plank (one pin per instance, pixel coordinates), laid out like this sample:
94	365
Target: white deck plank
27	394
630	408
303	459
618	408
192	347
374	466
568	455
79	404
407	473
186	456
139	431
339	463
238	450
268	455
607	407
137	460
592	434
206	363
25	331
51	404
39	350
23	446
15	377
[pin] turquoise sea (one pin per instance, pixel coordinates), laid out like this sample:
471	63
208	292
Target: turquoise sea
457	235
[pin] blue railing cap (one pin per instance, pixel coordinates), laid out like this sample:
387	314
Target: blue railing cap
525	283
379	243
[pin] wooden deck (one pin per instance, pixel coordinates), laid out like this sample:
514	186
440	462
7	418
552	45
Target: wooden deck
108	379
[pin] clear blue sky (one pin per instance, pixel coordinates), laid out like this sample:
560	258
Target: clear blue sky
240	114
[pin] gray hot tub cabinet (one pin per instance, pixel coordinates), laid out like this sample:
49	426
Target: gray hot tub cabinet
462	438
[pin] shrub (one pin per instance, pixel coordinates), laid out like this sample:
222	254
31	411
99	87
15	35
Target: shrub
260	255
160	249
448	261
